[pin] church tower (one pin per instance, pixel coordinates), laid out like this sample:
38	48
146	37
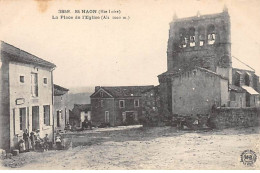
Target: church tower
198	41
202	41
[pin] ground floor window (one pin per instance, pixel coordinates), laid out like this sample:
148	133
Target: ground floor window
22	118
107	116
46	114
59	112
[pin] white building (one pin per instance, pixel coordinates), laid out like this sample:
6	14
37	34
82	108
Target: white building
26	95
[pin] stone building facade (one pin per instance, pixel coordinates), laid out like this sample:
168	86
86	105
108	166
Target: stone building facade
120	105
203	43
60	109
26	100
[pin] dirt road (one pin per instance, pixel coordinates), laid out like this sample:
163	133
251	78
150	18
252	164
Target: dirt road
135	147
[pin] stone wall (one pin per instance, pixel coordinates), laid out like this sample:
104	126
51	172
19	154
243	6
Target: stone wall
196	91
226	117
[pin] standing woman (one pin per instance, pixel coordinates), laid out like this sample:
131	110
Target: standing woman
27	140
32	137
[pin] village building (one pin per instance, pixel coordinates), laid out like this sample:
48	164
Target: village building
119	105
79	114
60	109
26	95
199	68
244	88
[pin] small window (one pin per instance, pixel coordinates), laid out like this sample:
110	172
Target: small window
101	94
136	102
107	117
121	103
45	80
101	103
22	79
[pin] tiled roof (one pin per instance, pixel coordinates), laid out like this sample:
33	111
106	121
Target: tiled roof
18	55
58	90
126	91
156	88
211	72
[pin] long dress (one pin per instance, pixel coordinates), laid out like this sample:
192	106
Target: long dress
27	141
32	137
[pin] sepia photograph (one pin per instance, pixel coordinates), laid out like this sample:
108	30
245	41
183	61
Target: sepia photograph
129	85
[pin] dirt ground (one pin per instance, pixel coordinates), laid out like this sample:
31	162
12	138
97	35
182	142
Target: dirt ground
135	147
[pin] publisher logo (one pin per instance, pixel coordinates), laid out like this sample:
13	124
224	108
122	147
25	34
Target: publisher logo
248	157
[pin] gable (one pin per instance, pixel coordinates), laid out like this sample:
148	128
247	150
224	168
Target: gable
101	93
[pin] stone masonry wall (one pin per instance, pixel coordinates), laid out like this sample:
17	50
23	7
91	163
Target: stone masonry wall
226	117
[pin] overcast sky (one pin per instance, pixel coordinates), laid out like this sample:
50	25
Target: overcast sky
118	52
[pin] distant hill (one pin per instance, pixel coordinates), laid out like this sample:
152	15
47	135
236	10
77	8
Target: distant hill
80	95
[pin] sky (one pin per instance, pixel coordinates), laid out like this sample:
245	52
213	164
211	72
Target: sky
118	52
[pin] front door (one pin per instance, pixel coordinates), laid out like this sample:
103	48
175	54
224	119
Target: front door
130	118
35	118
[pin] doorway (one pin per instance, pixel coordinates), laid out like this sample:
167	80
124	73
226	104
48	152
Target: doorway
130	118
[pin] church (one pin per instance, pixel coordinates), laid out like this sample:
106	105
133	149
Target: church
199	68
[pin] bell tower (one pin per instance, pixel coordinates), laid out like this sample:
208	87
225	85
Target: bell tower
201	40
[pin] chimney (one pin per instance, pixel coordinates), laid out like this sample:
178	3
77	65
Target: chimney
97	88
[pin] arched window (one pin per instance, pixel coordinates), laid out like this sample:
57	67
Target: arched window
201	32
183	38
211	34
192	36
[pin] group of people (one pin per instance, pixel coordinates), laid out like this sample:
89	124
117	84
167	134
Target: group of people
33	142
86	124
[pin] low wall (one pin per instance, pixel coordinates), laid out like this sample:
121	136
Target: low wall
226	117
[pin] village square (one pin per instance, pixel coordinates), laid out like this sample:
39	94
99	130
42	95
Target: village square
203	114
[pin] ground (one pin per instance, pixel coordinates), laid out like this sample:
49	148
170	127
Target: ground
136	147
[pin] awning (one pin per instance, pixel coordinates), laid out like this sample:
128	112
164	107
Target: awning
250	90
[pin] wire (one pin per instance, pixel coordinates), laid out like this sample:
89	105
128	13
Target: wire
243	63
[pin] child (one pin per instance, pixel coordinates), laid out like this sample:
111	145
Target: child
58	141
21	146
46	142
